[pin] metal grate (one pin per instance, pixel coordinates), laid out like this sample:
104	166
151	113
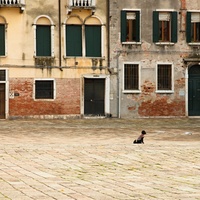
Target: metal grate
131	76
164	77
2	75
44	89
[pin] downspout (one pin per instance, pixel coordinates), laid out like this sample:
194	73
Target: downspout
108	33
118	88
59	36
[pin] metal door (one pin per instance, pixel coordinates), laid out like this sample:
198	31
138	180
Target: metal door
2	100
194	91
94	97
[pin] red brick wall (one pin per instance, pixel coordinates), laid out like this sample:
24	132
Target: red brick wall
67	100
155	104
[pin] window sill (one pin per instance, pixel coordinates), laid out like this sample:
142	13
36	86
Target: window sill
83	57
165	91
44	99
133	43
165	43
131	91
194	43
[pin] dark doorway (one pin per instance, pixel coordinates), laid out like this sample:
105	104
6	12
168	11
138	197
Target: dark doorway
194	91
94	97
2	100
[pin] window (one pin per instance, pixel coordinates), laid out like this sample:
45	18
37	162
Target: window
193	27
164	77
83	38
164	27
43	40
74	40
43	37
130	26
93	40
131	77
44	89
2	39
2	75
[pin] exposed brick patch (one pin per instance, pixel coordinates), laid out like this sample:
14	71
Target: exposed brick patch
163	106
67	99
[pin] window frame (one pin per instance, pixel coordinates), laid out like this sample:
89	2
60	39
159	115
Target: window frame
139	78
189	27
123	25
173	27
172	78
44	99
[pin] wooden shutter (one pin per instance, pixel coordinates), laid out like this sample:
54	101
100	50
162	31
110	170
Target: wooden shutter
123	26
137	26
43	40
2	39
188	27
73	40
155	26
174	27
93	40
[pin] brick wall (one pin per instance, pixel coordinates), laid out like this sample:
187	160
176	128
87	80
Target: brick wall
67	100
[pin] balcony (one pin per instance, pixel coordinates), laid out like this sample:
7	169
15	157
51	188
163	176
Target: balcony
13	3
81	4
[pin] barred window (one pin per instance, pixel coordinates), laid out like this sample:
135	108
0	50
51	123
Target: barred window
44	89
2	75
164	77
131	77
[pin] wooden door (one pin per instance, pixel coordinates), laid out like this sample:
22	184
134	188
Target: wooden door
2	100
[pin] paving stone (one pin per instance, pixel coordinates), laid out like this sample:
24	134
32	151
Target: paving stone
95	159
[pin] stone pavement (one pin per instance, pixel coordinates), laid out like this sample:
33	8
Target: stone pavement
94	159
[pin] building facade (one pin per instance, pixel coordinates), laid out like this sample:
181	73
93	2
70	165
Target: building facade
155	58
53	58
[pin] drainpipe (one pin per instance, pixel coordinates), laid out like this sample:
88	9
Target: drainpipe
108	33
59	36
118	88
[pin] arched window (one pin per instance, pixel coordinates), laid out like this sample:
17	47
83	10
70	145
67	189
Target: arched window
44	29
93	37
73	36
83	38
2	36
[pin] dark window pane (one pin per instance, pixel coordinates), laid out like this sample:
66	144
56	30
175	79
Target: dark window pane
44	89
164	77
195	33
131	77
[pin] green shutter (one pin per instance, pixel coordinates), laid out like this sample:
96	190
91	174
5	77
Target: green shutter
137	26
155	26
123	26
188	27
74	40
93	40
2	40
43	40
174	27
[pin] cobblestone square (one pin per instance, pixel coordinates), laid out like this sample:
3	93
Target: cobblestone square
95	159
